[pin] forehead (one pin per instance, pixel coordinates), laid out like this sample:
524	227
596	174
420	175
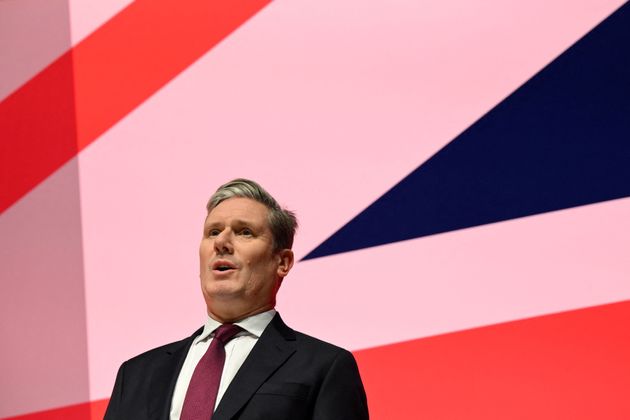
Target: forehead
239	209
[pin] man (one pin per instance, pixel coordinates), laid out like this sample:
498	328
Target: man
245	363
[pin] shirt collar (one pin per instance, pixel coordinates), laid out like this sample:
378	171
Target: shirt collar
253	325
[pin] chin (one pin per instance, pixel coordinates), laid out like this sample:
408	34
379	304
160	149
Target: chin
221	291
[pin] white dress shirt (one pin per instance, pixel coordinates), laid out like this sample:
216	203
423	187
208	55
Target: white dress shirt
236	351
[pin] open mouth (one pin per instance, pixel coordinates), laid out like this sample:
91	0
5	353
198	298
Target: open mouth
223	266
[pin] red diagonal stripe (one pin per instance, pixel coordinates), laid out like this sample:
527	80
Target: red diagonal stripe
573	365
92	86
94	410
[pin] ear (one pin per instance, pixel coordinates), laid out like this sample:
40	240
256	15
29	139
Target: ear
285	262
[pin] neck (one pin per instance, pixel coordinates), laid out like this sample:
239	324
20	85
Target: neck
231	314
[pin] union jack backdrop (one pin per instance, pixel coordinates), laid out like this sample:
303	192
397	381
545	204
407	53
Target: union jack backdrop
460	170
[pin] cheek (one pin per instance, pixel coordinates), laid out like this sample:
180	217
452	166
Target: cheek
255	272
202	264
202	253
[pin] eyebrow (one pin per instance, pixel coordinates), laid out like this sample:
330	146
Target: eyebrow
237	222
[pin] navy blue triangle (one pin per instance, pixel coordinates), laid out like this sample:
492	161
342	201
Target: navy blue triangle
561	140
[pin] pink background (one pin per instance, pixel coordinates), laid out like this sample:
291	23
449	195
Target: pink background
327	104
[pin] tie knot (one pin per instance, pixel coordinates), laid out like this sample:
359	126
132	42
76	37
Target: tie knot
226	332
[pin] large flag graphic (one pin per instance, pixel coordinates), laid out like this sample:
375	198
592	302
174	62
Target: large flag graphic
460	170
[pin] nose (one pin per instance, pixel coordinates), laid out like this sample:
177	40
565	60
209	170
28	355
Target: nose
223	242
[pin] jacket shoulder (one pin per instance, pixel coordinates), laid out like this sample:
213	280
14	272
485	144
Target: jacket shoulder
158	352
316	343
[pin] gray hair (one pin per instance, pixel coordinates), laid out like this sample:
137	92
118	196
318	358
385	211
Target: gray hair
282	222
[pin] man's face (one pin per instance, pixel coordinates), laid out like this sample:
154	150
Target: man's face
240	273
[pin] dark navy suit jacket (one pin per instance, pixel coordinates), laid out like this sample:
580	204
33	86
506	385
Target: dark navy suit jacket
287	375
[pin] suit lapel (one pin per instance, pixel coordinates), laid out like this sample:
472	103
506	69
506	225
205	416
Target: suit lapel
274	347
165	377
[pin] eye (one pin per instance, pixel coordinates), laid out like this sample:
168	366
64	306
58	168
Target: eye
213	232
246	232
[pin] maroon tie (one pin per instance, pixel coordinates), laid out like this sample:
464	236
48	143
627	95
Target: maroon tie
204	384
